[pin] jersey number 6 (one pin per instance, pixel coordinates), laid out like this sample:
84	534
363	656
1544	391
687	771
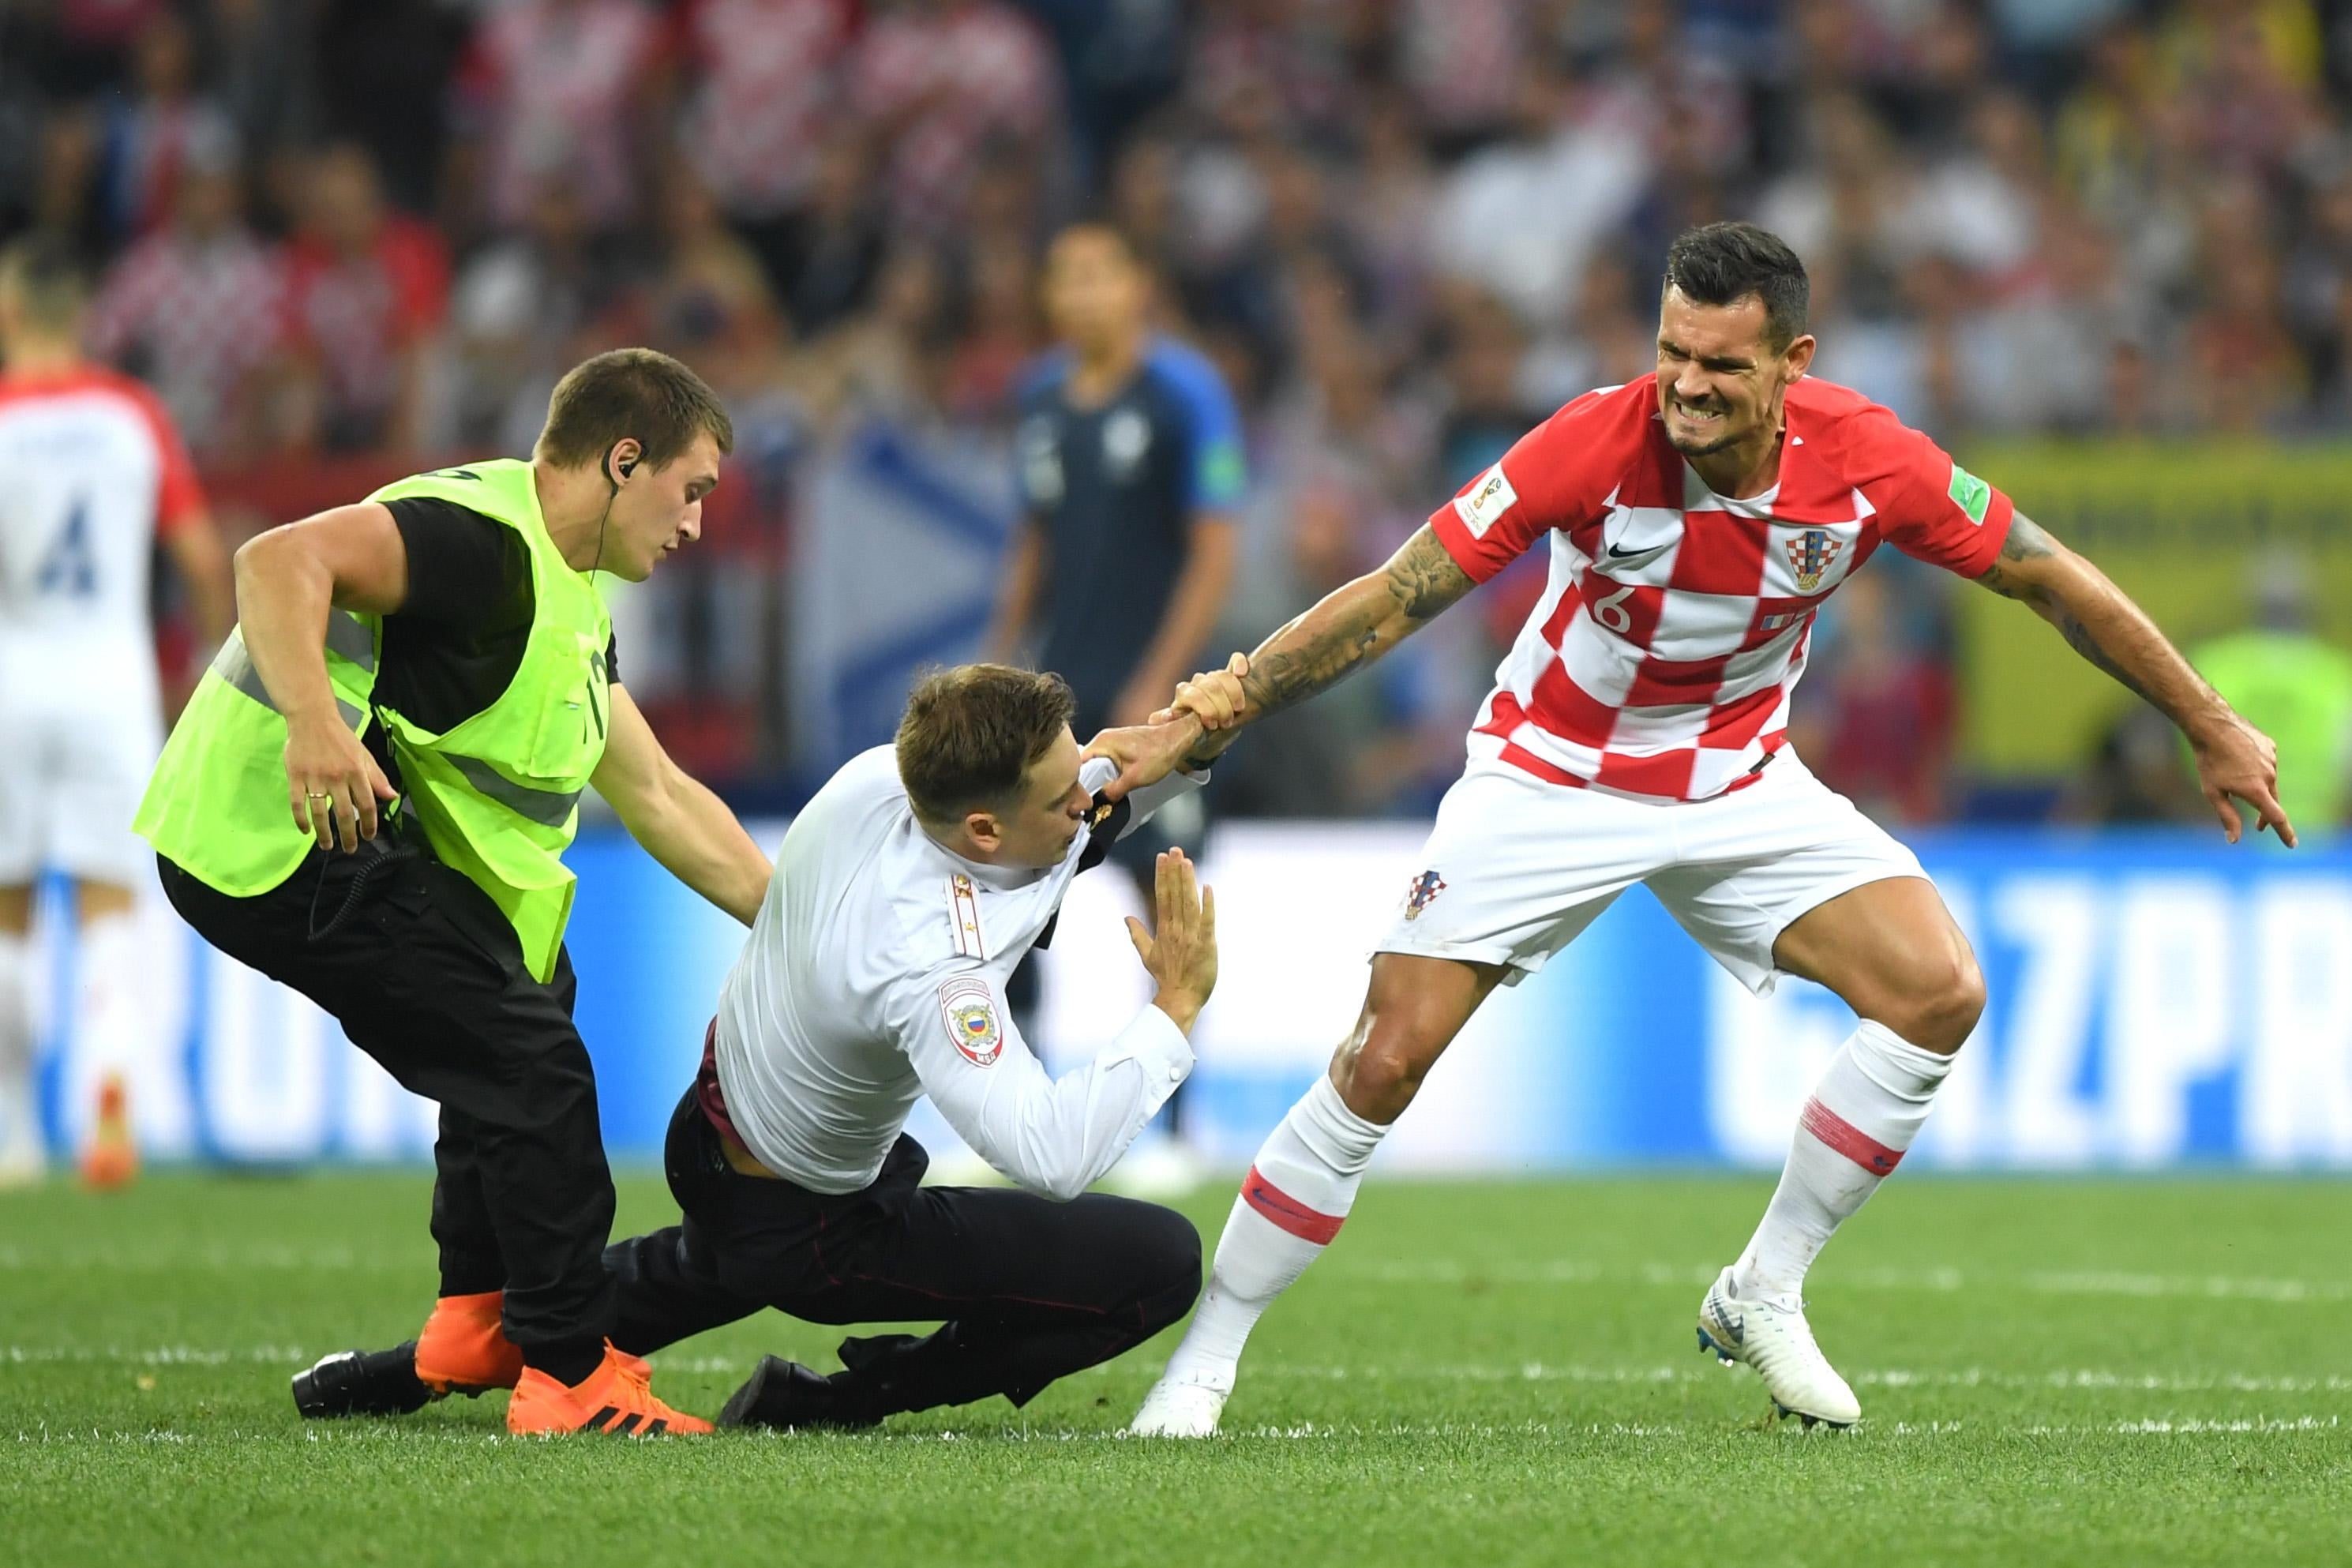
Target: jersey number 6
1611	613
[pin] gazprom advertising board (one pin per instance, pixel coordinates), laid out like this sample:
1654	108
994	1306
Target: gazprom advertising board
2156	1001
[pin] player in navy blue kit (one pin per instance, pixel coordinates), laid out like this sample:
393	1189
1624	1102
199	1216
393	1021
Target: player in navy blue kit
1129	467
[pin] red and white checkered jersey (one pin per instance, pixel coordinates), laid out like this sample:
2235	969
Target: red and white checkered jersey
200	316
96	472
556	86
769	75
1660	660
948	81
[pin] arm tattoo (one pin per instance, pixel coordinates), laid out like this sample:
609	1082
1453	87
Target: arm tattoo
1423	577
2026	541
1354	627
2080	638
2009	575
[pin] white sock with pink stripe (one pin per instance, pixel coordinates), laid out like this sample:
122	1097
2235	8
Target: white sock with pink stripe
1863	1115
1290	1206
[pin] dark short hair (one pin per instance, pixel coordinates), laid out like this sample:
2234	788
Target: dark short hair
1723	263
970	734
49	280
631	393
1092	226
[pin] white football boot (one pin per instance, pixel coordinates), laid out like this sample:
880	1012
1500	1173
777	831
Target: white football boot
1779	1343
1179	1410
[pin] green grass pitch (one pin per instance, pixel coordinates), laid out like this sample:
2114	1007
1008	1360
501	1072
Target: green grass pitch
2052	1372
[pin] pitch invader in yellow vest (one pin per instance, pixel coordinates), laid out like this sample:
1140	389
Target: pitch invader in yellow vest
369	798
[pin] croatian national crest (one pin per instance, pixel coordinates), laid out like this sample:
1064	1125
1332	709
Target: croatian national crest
1423	893
968	1007
1811	555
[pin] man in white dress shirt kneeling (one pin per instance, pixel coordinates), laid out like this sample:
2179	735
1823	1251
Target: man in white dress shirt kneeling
903	897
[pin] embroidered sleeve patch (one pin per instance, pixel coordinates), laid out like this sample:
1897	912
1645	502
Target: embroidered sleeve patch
1483	503
968	1008
1970	494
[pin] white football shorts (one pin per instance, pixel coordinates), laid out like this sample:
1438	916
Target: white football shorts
79	732
1516	868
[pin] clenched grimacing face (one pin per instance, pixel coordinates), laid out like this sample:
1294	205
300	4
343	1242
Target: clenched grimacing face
1720	379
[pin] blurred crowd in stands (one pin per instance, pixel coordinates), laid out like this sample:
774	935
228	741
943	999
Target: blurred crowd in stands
1403	229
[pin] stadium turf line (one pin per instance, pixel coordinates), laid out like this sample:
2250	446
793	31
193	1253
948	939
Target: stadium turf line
2053	1372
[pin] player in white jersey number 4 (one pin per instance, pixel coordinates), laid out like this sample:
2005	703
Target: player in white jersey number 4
1694	520
96	478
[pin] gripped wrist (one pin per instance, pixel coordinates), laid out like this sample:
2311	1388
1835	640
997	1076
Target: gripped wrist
1181	1006
1209	744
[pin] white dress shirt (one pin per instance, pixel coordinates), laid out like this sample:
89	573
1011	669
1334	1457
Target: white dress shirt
874	973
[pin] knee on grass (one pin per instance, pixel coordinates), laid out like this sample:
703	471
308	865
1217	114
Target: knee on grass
1168	1274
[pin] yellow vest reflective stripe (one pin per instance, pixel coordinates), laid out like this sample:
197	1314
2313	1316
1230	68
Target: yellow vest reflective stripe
347	636
496	796
549	808
216	806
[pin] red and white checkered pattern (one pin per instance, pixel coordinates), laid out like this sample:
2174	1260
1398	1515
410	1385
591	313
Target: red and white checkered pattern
1660	660
557	87
947	82
200	315
769	71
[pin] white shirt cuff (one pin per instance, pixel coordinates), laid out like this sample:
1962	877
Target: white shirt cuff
1148	800
1157	1046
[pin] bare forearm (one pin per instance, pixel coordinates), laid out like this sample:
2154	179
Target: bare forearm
1353	625
2100	622
283	594
1192	609
1018	601
697	841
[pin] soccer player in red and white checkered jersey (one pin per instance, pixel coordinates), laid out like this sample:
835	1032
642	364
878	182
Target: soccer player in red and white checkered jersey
1696	520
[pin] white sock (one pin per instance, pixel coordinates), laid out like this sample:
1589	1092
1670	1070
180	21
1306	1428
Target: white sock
17	1112
1864	1113
1290	1206
110	1018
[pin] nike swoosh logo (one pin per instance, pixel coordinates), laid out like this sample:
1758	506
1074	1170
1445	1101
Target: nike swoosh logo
1618	554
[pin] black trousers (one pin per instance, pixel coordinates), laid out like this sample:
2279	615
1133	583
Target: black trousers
425	975
1029	1289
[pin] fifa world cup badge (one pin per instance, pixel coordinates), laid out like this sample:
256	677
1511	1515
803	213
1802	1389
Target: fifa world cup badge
968	1008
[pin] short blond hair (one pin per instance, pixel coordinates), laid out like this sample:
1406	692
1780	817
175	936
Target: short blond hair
48	281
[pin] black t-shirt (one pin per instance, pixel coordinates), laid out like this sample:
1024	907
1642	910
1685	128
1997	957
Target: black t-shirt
453	647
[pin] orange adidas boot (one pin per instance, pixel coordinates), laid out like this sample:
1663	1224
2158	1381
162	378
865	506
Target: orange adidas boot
463	1349
113	1158
617	1397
